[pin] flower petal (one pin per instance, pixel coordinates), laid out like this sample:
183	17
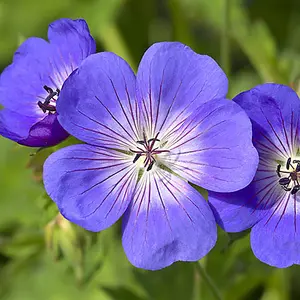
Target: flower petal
92	187
15	126
167	221
275	240
45	133
213	148
172	81
240	210
275	119
22	82
97	103
71	40
31	131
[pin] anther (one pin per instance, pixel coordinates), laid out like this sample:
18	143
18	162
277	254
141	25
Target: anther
288	163
150	166
284	181
46	107
153	139
136	157
278	170
295	189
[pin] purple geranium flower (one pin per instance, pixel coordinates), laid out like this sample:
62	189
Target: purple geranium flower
30	86
270	204
147	135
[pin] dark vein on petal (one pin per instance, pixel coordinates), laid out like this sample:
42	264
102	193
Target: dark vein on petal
264	178
196	136
122	107
272	143
109	193
267	149
296	133
180	191
192	171
129	179
93	159
187	162
102	133
199	150
277	207
130	107
183	134
106	127
150	98
291	130
170	107
105	179
97	168
178	202
114	118
283	212
285	133
274	131
163	205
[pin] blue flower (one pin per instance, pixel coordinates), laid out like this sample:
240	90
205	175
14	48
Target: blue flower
146	137
30	86
270	204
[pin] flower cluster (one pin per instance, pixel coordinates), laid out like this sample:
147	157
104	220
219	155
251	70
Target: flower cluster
149	138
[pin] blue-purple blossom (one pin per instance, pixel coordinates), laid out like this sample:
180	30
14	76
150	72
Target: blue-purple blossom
30	86
147	136
270	204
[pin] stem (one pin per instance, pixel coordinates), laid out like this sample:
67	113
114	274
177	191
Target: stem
196	290
205	277
225	45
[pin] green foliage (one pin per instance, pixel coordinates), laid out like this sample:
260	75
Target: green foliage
42	255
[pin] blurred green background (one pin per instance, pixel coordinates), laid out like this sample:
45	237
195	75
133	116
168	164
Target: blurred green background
42	256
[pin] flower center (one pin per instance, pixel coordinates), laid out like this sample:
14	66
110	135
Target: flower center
290	182
49	105
147	149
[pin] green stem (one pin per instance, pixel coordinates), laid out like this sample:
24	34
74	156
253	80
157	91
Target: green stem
225	45
206	278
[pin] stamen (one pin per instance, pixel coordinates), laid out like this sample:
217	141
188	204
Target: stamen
150	166
153	139
136	157
46	105
295	189
292	177
149	151
288	163
278	170
284	181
